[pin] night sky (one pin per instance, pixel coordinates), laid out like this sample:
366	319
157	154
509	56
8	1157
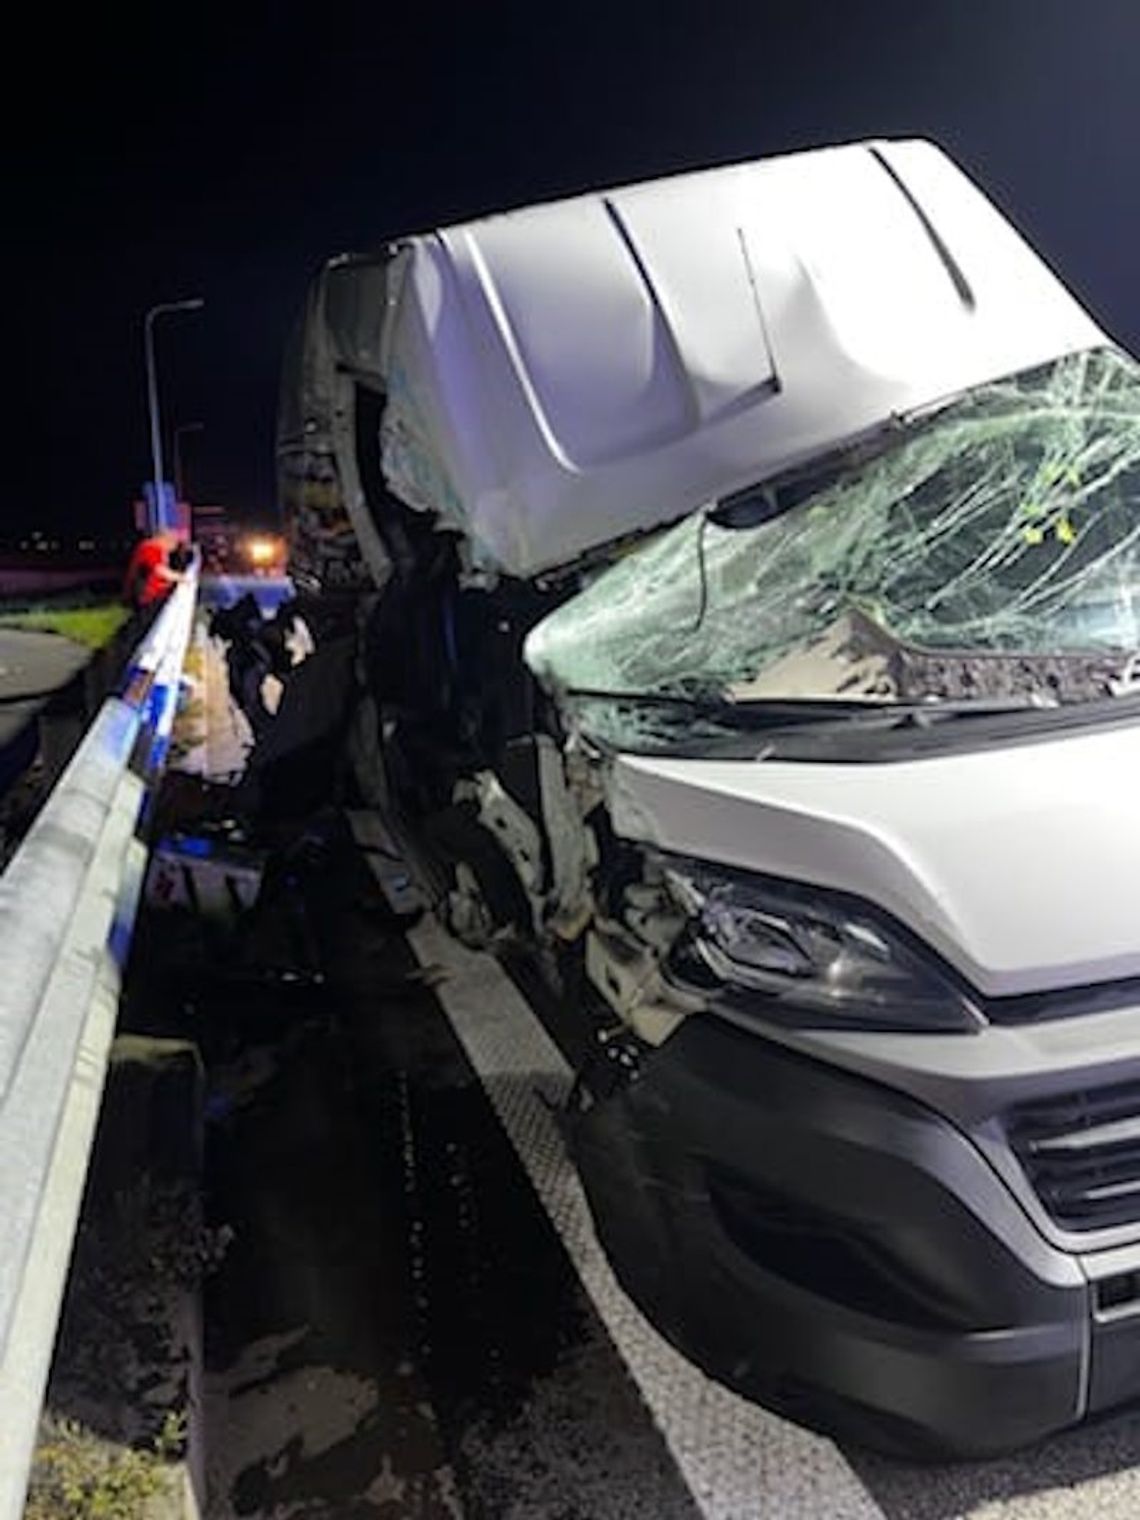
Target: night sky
226	154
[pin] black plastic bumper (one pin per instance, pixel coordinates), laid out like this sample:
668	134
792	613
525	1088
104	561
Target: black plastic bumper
833	1250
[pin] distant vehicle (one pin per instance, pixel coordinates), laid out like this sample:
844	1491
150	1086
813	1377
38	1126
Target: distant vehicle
260	553
754	564
229	548
212	530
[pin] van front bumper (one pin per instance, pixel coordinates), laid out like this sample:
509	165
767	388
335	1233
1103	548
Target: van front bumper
842	1254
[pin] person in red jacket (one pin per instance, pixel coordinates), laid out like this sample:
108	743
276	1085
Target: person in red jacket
150	575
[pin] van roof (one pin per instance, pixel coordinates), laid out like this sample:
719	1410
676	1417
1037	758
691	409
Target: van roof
563	376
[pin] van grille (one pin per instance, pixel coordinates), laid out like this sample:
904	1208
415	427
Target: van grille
1081	1152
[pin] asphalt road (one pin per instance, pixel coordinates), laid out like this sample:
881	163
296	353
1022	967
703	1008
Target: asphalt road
32	663
414	1318
32	666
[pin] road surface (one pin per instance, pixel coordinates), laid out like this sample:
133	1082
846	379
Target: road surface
32	666
32	663
414	1318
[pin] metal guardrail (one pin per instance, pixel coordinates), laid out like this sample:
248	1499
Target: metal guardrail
67	906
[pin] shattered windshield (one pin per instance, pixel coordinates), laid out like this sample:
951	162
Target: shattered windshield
989	551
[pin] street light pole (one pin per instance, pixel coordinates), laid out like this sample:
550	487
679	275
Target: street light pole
192	303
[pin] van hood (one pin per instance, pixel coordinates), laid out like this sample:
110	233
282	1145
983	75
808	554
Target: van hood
1020	864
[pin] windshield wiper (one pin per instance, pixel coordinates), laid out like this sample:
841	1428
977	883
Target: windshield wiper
775	712
921	714
723	710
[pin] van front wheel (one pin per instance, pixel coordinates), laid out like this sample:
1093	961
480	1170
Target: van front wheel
484	899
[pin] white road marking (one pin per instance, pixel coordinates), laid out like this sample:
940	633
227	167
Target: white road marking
739	1461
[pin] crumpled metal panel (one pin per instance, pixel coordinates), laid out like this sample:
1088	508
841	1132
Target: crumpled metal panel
568	375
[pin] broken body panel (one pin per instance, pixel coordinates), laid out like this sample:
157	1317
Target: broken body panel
562	377
749	582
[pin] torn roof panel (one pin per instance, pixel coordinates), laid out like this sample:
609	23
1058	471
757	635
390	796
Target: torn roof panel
566	375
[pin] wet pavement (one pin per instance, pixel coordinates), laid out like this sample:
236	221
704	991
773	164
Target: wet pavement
414	1319
396	1329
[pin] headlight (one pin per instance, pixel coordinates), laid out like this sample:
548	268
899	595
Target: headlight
262	550
803	955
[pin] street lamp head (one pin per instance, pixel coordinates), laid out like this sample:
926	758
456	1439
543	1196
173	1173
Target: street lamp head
190	303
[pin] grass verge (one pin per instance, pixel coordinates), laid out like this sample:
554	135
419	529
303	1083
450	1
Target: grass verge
90	626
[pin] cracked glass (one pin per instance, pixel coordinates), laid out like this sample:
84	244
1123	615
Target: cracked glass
987	550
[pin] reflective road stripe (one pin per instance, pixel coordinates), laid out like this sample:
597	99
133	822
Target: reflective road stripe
739	1461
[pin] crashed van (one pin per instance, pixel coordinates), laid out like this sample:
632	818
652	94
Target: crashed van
747	574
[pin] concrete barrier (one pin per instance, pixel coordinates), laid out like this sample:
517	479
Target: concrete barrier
67	908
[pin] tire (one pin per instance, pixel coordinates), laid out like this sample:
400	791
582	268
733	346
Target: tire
480	877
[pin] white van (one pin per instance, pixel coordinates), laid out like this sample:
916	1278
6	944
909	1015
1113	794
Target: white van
748	569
